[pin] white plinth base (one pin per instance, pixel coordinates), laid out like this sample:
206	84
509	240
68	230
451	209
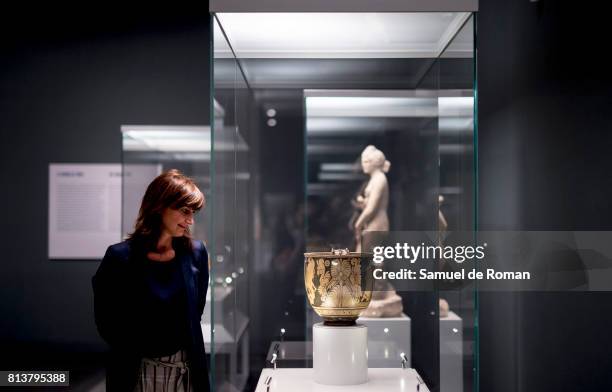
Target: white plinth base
380	380
340	354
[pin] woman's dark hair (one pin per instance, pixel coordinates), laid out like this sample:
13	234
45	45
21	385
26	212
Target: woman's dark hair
171	189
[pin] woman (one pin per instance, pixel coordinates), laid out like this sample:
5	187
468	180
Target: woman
150	291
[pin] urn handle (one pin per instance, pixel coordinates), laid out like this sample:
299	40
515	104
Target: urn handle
340	252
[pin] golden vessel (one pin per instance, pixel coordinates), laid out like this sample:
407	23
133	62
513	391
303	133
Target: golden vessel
338	285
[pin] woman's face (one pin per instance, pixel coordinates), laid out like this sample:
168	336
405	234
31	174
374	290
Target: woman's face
175	222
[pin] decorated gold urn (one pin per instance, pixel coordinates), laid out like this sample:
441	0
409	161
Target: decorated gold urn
338	284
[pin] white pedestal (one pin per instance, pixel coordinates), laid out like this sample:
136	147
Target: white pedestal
388	337
451	353
379	380
340	354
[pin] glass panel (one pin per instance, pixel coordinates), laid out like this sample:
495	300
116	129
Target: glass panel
232	223
457	203
223	317
423	305
243	228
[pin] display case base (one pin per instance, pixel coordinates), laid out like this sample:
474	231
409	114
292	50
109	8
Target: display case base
379	380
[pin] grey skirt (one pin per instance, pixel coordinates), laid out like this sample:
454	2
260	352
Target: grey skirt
165	374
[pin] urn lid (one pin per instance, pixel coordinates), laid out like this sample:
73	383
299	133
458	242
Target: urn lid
334	253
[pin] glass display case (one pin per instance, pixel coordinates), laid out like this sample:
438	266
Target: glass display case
303	103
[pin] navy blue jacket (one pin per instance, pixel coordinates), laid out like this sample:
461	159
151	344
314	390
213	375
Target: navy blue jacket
118	289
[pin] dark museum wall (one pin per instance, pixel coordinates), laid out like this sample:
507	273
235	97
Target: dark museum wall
544	142
66	86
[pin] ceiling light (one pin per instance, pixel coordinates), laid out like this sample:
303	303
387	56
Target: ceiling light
354	35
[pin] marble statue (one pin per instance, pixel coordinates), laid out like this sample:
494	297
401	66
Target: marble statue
372	205
375	198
